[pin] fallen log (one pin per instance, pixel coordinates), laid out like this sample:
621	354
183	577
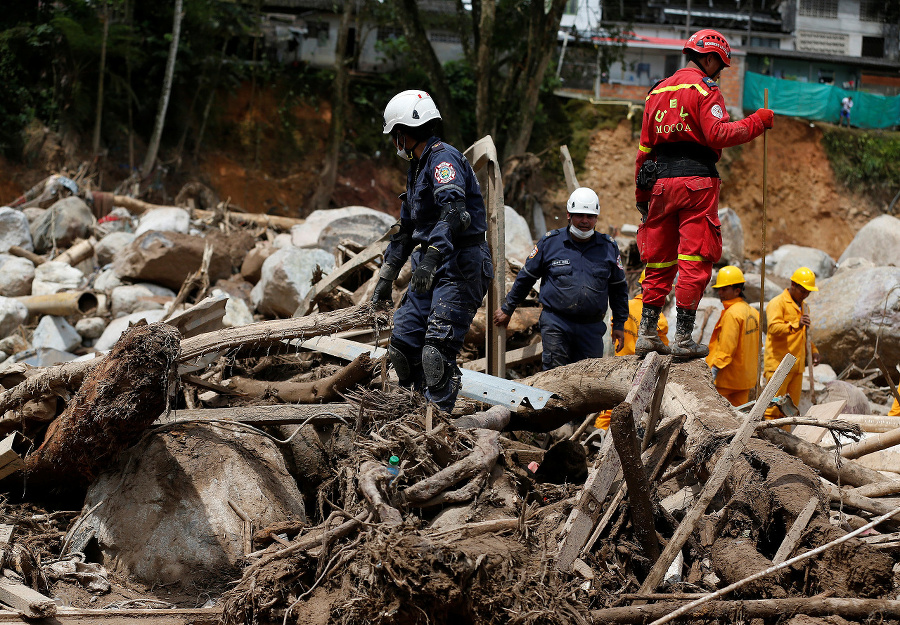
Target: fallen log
270	332
871	444
878	489
281	223
118	400
323	390
754	608
523	319
52	380
283	414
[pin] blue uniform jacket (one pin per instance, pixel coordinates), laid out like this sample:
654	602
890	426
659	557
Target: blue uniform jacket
442	175
579	280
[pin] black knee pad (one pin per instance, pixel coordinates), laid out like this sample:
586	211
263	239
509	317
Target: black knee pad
401	364
437	369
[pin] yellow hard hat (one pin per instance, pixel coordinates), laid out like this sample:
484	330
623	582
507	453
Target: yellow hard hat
728	276
805	278
643	275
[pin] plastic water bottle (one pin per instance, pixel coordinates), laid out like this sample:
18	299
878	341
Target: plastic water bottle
394	465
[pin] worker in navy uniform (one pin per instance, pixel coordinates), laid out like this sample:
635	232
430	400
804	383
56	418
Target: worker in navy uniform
442	227
581	275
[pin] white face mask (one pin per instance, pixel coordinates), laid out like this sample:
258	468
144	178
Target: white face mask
403	153
580	235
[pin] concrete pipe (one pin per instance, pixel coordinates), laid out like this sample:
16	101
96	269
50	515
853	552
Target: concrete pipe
60	304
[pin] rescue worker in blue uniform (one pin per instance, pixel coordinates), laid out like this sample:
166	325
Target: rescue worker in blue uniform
581	275
442	228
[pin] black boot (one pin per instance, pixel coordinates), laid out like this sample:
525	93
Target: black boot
684	347
648	337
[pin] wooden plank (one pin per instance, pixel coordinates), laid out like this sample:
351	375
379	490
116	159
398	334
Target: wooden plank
719	474
813	434
281	414
513	357
336	277
793	536
655	403
580	524
483	157
204	316
568	169
10	461
25	600
73	616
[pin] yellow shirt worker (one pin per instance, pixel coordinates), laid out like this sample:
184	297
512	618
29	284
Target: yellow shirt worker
735	340
635	310
788	321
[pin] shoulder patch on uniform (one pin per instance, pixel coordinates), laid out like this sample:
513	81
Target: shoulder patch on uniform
551	233
709	82
619	262
437	146
717	111
533	252
444	172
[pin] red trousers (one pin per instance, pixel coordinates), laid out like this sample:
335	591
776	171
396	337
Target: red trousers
681	234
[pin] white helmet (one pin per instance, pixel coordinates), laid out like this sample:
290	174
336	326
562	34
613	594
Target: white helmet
583	200
410	108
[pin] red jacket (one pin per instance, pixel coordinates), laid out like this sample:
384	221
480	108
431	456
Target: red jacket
688	107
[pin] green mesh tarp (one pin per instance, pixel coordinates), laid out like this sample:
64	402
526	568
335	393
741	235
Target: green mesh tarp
820	102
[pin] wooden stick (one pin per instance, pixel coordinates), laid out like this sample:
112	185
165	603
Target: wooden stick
720	473
871	423
15	250
887	376
879	489
853	608
871	444
809	362
803	556
793	536
765	218
854	500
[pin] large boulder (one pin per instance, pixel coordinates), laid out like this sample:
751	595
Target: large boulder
68	219
307	234
131	298
792	257
732	238
14	230
774	286
286	278
13	313
167	258
517	237
16	276
877	241
362	229
107	247
165	219
851	311
53	277
168	512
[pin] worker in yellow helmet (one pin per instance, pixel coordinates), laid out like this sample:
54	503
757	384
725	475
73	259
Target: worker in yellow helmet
735	340
786	333
635	309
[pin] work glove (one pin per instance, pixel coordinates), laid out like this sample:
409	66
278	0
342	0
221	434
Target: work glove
423	276
382	291
767	116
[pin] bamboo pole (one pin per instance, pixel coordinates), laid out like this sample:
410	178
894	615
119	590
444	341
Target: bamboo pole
762	273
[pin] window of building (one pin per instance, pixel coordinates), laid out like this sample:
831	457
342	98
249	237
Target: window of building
443	36
819	8
873	46
319	31
764	42
871	10
571	7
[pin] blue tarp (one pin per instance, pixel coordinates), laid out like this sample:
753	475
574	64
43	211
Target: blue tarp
820	102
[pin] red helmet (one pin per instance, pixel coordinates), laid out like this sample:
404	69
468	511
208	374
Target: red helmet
707	41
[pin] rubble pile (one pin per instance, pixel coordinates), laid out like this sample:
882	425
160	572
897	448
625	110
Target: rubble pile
206	386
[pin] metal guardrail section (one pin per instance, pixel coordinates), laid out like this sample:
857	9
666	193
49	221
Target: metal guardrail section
475	385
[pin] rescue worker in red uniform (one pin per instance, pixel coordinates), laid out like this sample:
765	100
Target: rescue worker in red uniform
684	130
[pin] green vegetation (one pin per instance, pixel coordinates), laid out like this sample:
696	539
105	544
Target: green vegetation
865	161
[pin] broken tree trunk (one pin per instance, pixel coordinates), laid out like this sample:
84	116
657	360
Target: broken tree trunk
118	400
268	332
774	486
324	390
52	380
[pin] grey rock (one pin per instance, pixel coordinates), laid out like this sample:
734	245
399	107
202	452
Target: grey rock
64	222
117	326
16	277
854	309
107	280
877	241
55	333
128	299
53	276
108	246
792	257
90	327
286	279
166	219
307	234
14	230
362	229
13	313
517	236
732	238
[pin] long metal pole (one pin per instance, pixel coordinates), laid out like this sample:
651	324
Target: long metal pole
762	274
